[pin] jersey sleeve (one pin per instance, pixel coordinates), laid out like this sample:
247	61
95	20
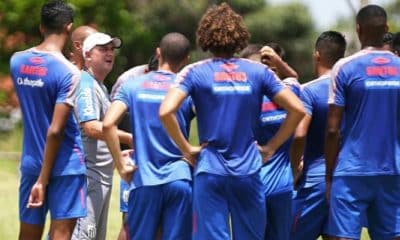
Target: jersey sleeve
271	83
87	104
337	86
67	87
121	94
307	99
293	84
184	80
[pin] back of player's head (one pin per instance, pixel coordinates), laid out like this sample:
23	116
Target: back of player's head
174	48
250	50
221	30
396	43
372	21
55	16
331	46
277	48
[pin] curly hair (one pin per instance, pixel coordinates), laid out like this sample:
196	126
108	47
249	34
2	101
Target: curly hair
221	30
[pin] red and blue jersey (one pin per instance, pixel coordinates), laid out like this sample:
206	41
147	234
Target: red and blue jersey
367	85
42	80
158	158
276	174
315	100
227	94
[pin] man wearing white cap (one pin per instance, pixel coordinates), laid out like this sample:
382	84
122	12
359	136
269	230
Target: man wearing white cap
92	103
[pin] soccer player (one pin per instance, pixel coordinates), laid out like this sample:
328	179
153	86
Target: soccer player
276	174
92	103
363	159
125	125
52	163
77	38
309	203
161	192
227	92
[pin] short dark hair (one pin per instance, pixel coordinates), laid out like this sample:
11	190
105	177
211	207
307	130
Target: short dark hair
372	19
388	38
251	49
153	63
331	46
55	15
222	30
396	43
174	47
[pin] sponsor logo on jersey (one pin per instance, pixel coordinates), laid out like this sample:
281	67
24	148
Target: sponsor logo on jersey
33	70
30	82
36	60
381	60
382	71
86	100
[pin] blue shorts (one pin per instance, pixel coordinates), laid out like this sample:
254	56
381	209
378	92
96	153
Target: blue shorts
65	199
279	215
168	205
215	197
310	210
353	198
123	196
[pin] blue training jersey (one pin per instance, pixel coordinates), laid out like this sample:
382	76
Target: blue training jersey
276	174
315	100
367	85
227	94
158	158
43	79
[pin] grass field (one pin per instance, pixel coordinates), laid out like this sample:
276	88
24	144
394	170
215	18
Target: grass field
9	177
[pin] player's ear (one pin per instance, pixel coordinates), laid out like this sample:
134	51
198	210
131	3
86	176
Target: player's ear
317	56
386	28
158	53
358	29
68	28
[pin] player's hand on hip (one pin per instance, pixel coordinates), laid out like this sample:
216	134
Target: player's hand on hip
266	152
192	154
37	196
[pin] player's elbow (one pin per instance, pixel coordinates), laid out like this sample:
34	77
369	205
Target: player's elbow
332	133
55	133
107	125
164	113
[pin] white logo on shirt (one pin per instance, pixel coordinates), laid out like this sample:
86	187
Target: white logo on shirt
30	82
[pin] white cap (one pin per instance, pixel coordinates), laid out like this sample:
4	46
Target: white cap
99	38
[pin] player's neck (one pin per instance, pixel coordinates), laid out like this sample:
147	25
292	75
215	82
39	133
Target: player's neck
53	43
377	45
167	67
322	70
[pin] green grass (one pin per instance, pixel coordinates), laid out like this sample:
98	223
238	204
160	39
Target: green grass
9	179
9	223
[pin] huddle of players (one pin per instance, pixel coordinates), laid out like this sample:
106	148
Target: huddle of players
242	109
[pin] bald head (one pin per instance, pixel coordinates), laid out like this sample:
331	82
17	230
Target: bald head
77	38
81	32
174	48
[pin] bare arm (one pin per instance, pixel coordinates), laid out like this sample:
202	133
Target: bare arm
298	145
55	135
332	139
94	129
295	112
110	131
168	108
269	57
